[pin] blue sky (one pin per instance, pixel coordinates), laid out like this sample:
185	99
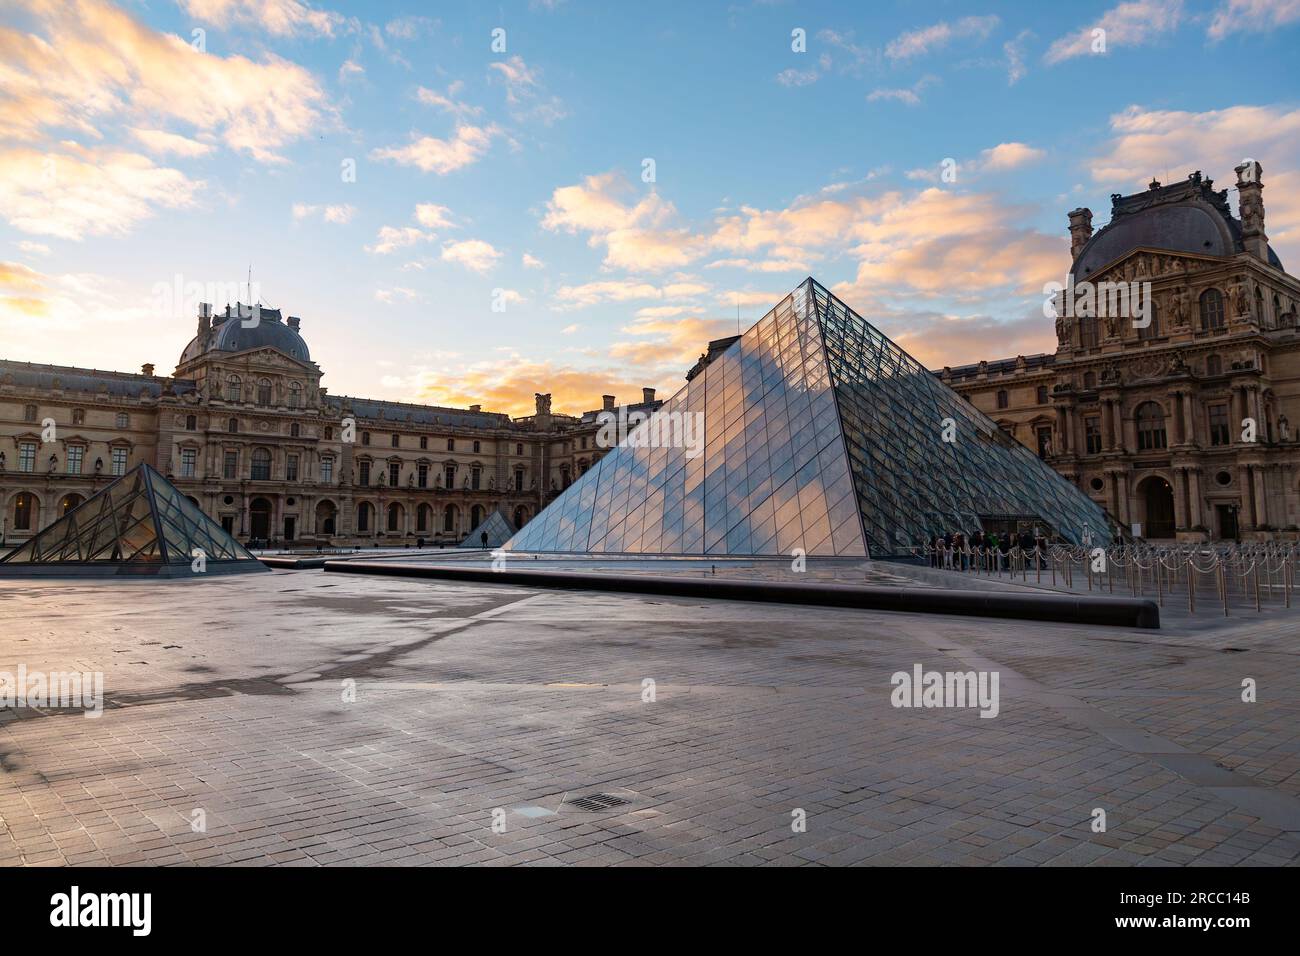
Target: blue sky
128	158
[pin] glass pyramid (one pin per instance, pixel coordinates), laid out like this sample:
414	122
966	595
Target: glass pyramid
138	524
497	529
818	433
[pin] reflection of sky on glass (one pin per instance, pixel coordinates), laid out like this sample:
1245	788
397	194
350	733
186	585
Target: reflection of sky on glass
774	474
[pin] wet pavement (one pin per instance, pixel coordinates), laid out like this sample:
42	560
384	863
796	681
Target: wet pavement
313	718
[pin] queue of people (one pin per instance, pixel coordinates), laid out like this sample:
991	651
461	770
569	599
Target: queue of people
957	551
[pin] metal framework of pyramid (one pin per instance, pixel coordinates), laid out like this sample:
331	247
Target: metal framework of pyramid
139	524
496	527
821	434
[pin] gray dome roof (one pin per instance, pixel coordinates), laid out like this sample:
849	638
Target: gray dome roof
228	334
1183	217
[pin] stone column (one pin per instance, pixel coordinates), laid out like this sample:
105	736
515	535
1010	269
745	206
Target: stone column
1180	424
1246	513
1107	426
1180	499
1194	495
1189	419
1261	497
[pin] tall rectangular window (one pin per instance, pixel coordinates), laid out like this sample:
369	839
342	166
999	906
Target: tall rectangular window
1220	432
364	473
291	468
394	473
188	458
230	466
27	456
327	470
118	461
475	477
422	476
1044	442
1092	434
76	454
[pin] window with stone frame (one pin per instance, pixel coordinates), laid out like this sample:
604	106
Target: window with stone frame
1211	304
1220	424
1092	434
1150	419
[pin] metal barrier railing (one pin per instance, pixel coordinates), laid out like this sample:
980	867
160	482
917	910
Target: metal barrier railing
1248	574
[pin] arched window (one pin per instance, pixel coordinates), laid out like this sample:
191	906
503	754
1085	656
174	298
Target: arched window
1003	398
261	465
234	388
24	510
1259	305
520	517
1213	365
232	426
329	433
1277	312
1150	427
449	519
264	392
1211	309
295	394
394	517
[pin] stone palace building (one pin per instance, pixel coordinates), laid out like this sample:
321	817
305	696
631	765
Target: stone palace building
244	428
1179	427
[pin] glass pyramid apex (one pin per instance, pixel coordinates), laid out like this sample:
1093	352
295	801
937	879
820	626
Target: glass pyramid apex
812	430
137	524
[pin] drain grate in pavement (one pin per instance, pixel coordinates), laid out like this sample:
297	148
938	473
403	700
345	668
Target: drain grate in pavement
598	801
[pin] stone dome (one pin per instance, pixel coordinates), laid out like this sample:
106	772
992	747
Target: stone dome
229	334
1187	216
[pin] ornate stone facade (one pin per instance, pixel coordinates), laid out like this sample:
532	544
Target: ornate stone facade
1180	427
246	430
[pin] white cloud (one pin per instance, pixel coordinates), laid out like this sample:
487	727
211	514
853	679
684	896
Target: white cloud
530	261
337	214
474	254
432	216
81	191
392	238
448	102
1129	24
1252	16
442	156
280	18
158	141
936	37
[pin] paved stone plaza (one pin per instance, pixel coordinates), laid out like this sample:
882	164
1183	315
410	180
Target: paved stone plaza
226	696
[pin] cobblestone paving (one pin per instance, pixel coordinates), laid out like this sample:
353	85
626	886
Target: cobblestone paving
225	696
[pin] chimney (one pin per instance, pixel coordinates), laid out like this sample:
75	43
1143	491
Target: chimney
205	318
607	403
1080	230
1250	206
647	395
294	322
147	368
476	408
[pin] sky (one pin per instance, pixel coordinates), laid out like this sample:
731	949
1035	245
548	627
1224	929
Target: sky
469	203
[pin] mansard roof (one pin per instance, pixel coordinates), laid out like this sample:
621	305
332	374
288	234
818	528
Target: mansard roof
1187	216
93	381
229	334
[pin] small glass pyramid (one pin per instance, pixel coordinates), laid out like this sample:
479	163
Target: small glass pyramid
138	524
818	433
497	529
